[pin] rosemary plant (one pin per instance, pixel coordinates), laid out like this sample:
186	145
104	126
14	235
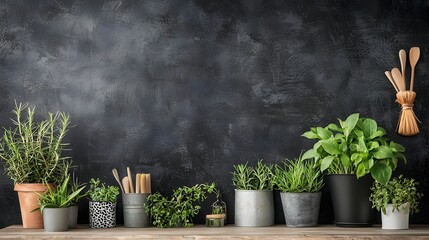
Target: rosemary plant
259	177
32	150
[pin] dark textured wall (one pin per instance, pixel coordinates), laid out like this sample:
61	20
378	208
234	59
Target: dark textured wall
186	89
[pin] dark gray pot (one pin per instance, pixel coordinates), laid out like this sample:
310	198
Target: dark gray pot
254	208
134	212
55	219
102	214
301	209
73	210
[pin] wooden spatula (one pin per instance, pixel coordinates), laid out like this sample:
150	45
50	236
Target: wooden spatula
143	183
130	179
138	182
126	184
414	58
116	175
403	60
389	76
148	184
397	76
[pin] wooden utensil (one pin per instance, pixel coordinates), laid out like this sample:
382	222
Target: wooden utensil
116	175
389	76
126	184
130	180
398	79
143	183
414	58
138	182
403	60
148	184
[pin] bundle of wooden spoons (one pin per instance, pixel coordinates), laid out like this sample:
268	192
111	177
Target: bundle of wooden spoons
407	124
143	182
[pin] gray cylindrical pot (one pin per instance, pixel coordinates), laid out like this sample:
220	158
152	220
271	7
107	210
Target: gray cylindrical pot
254	208
102	214
55	219
73	210
301	209
134	212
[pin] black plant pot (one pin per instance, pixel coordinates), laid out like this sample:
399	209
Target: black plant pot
350	200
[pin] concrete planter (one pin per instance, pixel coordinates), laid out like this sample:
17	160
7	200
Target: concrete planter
397	219
73	211
102	214
56	219
254	208
301	209
134	212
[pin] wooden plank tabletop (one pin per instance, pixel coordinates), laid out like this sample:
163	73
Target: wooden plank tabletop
227	232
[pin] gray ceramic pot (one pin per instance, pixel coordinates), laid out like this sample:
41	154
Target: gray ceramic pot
254	208
134	212
55	219
73	210
102	214
301	209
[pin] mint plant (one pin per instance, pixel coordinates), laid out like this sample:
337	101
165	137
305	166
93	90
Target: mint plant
98	192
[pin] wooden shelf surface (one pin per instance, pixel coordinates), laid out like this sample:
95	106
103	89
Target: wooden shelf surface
227	232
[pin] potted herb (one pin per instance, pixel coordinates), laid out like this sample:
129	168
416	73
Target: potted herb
180	209
54	206
73	206
254	201
396	200
300	184
102	204
350	153
32	156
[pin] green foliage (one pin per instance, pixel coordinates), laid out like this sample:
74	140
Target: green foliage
298	176
397	191
358	146
180	209
98	192
246	177
74	186
60	197
32	151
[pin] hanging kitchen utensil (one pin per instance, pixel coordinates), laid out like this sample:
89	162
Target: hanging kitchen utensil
389	76
414	58
397	77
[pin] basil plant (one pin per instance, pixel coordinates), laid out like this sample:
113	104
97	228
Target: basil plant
357	146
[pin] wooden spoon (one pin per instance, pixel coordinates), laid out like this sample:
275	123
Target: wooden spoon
148	184
130	179
126	184
389	76
143	183
138	182
403	59
414	58
116	175
398	79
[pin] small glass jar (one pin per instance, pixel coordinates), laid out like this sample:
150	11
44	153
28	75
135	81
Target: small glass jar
219	207
215	220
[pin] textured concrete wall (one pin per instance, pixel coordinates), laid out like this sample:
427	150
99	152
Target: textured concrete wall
186	89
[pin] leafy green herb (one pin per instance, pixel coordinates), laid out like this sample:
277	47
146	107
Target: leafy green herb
246	177
98	192
180	209
397	191
357	146
298	176
58	198
32	151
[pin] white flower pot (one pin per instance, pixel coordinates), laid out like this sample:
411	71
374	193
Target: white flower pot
397	219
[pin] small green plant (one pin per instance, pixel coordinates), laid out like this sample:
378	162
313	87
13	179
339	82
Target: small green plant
59	197
358	146
180	209
397	191
32	150
98	192
246	177
74	185
298	176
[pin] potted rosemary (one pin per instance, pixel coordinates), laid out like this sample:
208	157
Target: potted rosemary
102	204
32	156
396	200
54	205
300	184
351	153
254	200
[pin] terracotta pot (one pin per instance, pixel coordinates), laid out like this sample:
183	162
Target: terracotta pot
28	201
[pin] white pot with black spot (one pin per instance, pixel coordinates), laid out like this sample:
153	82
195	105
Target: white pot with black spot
102	214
